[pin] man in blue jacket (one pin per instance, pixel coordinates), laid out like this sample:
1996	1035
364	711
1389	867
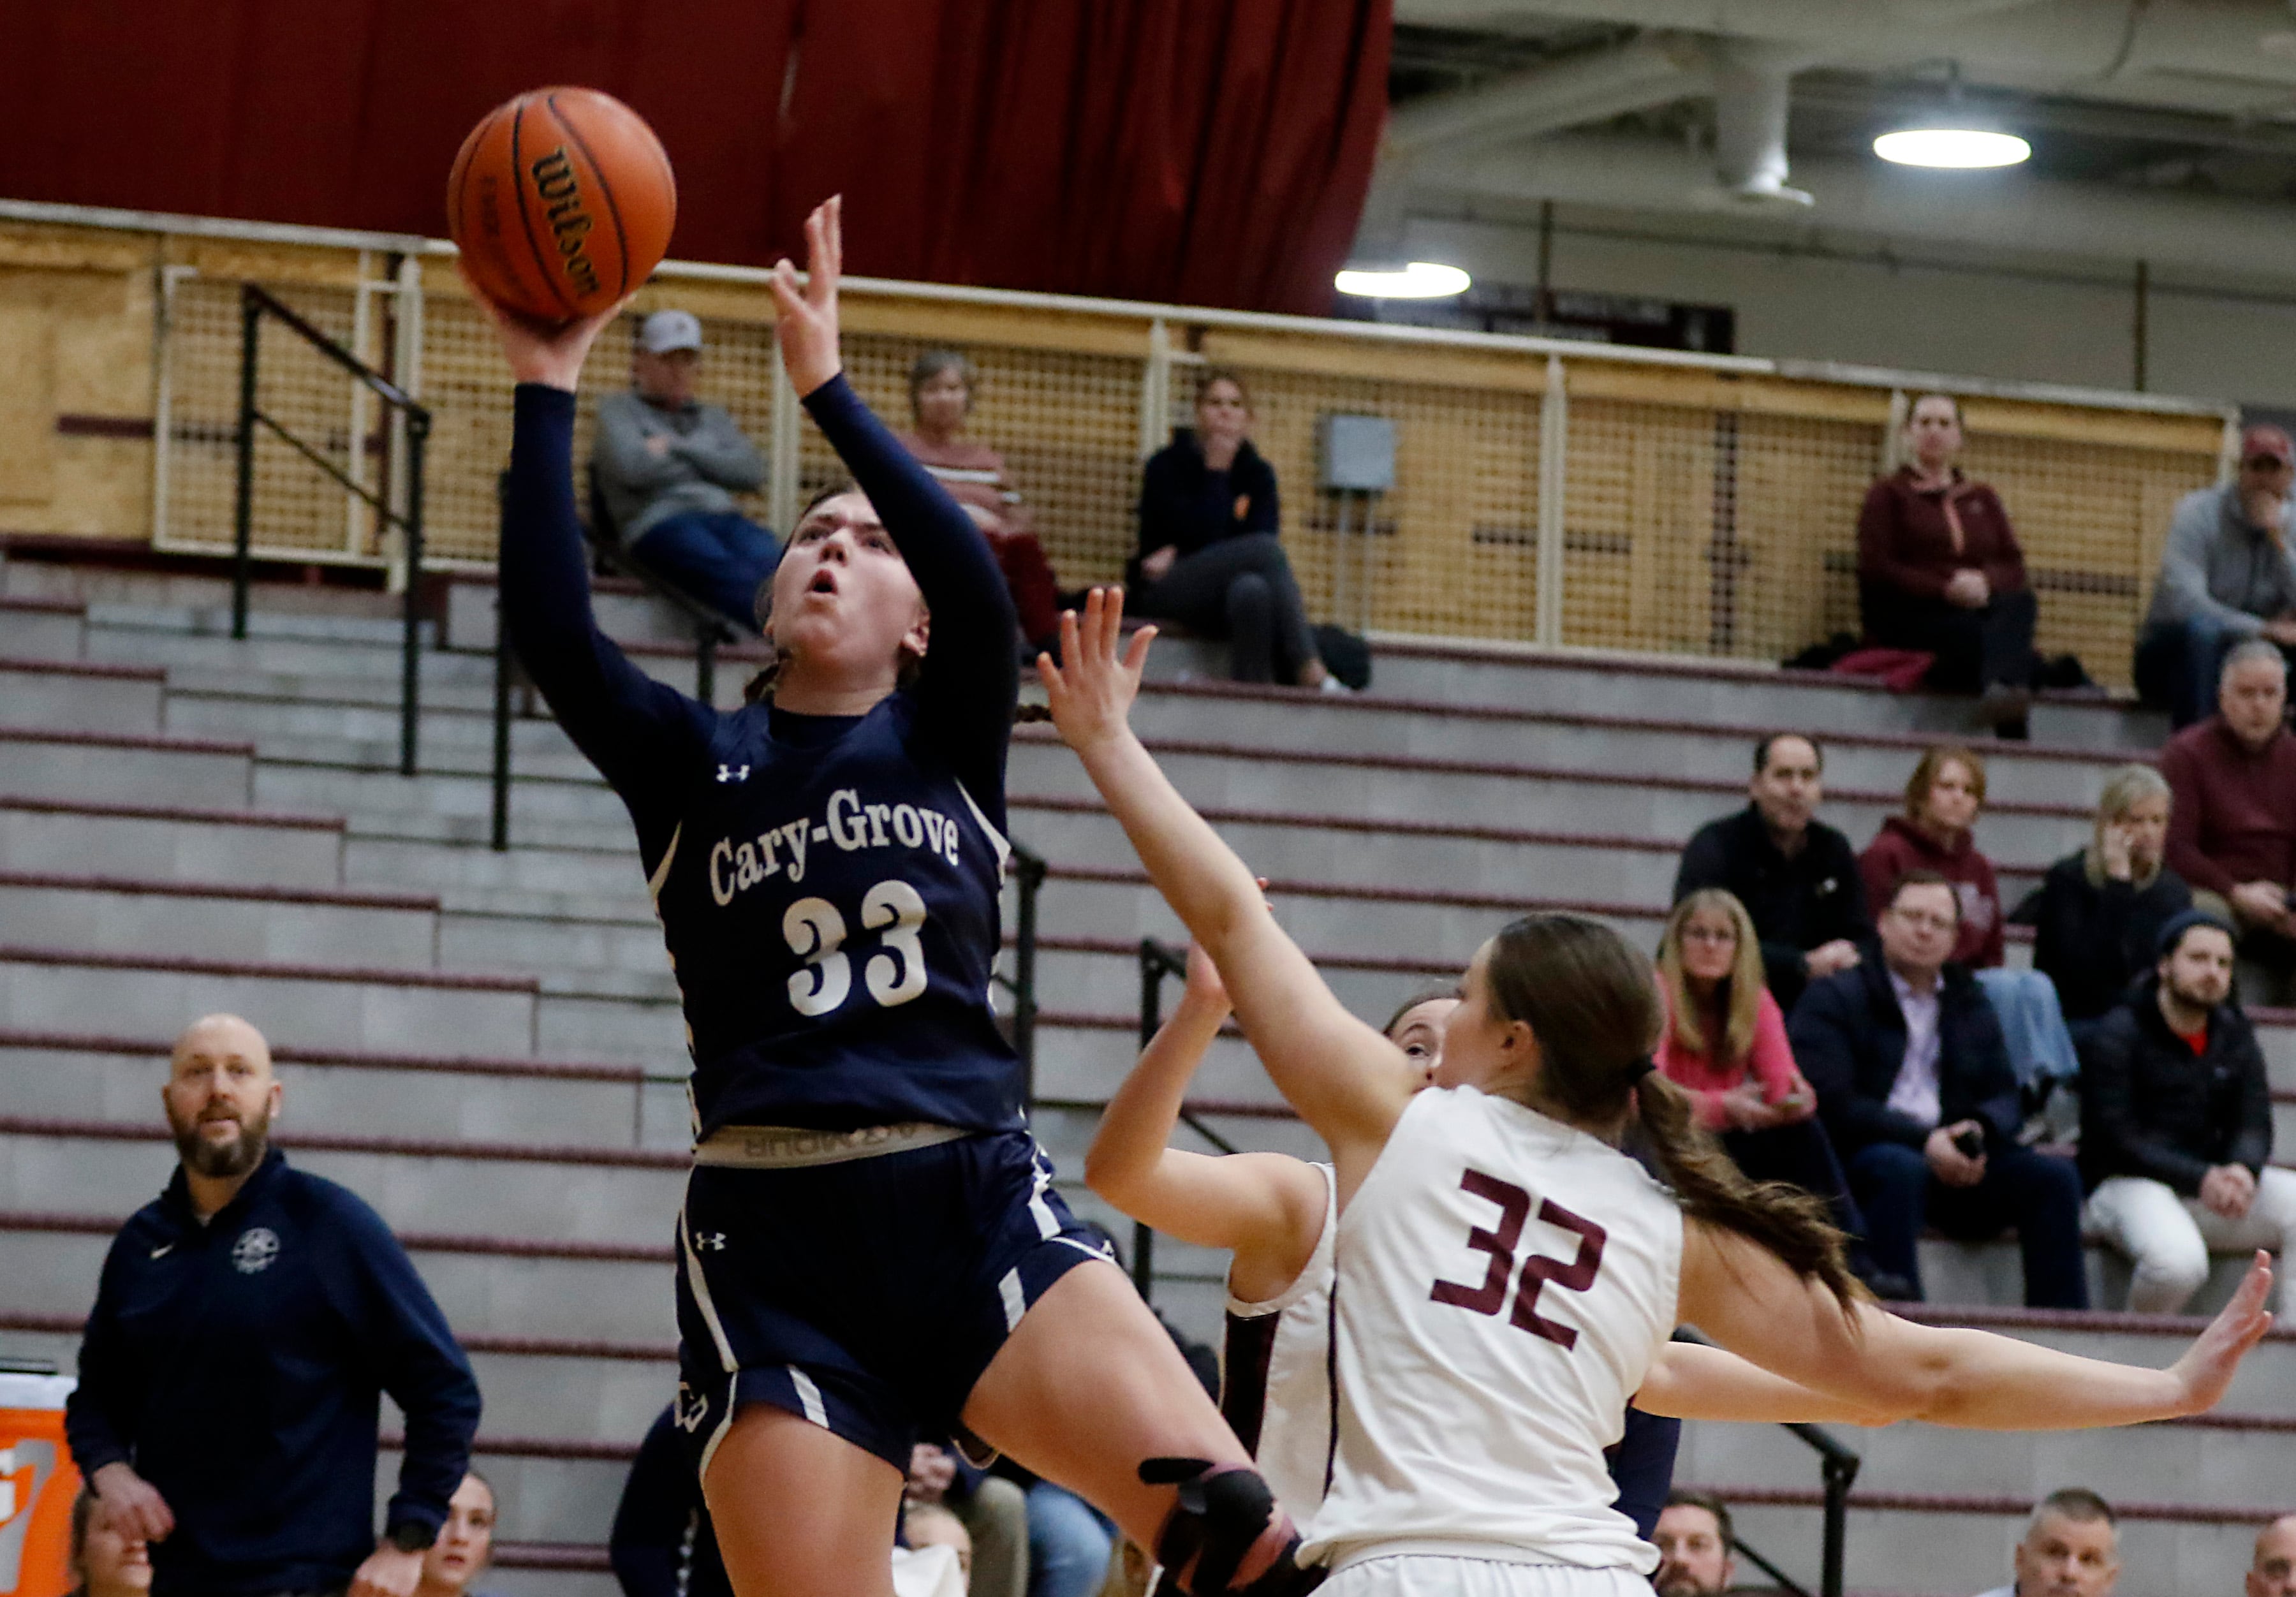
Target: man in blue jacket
247	1323
1916	1088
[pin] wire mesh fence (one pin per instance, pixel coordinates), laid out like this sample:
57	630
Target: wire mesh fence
1697	506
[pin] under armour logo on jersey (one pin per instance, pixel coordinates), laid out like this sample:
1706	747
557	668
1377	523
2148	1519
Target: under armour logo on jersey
711	1242
732	773
692	1407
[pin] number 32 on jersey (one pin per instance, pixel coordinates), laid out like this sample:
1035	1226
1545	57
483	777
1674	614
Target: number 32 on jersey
1537	1271
816	931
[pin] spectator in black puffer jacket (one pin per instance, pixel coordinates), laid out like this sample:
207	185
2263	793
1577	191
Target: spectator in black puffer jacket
2177	1124
2102	908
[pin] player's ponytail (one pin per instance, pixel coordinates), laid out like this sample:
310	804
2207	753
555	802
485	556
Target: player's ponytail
1591	1000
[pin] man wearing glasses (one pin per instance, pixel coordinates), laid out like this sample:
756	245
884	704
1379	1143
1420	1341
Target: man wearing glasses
2226	574
1916	1088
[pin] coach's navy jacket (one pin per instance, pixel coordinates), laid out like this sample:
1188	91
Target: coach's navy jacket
239	1365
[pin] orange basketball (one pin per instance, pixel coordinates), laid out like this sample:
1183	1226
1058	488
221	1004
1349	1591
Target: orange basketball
562	201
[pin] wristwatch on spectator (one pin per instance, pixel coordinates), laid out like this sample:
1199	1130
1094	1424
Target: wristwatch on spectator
412	1536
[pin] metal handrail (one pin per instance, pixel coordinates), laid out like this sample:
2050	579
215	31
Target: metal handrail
254	304
1838	1467
1029	869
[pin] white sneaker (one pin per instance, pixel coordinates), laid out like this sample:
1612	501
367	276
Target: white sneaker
1332	684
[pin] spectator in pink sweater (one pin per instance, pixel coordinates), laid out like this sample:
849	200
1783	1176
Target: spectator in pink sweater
2232	828
1725	1042
1943	798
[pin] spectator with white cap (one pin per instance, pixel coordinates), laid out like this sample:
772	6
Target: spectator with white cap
668	467
2226	574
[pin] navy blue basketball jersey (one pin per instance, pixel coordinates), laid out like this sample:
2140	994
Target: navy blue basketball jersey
830	901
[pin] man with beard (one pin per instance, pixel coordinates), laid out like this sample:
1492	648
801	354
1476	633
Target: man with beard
246	1326
2177	1124
1695	1549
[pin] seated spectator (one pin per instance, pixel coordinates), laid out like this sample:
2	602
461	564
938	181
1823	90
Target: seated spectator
466	1540
2071	1548
2102	907
2226	574
941	396
105	1561
993	1510
1696	1551
1914	1086
2232	818
1938	570
2271	1569
2177	1124
1943	798
667	466
1725	1042
1208	557
662	1543
1796	876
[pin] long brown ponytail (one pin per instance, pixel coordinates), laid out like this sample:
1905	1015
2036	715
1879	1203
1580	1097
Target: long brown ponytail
1591	1000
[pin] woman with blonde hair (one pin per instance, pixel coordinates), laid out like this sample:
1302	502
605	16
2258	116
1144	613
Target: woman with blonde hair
2103	906
1724	1044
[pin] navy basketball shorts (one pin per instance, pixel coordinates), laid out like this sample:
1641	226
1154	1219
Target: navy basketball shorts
868	1295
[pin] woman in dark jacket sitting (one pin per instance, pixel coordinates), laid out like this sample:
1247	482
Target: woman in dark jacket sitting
2102	908
1208	556
1938	570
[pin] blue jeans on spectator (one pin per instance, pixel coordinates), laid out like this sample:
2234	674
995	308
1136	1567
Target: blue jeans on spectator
1069	1542
2041	1047
721	560
2038	1193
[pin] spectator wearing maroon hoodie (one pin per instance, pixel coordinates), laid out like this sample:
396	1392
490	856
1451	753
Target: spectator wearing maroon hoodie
1938	570
2231	827
1942	798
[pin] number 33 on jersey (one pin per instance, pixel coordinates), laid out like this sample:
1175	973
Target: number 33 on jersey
832	916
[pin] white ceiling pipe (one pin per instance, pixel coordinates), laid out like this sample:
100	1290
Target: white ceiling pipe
1750	128
2008	210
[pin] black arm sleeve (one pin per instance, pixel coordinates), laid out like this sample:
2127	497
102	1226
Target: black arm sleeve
971	675
640	734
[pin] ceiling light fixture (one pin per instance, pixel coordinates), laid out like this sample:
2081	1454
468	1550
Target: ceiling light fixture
1962	148
1420	279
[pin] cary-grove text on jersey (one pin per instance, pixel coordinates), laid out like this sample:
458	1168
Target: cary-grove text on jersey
847	824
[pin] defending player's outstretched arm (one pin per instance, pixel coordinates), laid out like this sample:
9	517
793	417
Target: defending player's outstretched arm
1745	1299
1267	1209
1347	1082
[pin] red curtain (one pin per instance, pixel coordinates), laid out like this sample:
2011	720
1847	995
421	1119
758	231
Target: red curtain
1204	151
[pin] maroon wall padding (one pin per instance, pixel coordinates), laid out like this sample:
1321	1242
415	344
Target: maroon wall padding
1204	151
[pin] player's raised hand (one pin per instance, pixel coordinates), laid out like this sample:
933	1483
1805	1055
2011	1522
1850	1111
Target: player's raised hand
2208	1365
806	315
1092	689
544	352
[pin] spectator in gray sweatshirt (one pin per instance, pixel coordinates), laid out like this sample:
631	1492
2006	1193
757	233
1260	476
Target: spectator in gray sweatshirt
668	467
2226	574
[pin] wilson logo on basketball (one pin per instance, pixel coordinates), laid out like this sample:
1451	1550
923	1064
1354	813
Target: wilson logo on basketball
569	216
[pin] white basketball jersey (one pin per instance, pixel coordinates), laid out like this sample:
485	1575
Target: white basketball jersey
1503	1284
1276	1389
